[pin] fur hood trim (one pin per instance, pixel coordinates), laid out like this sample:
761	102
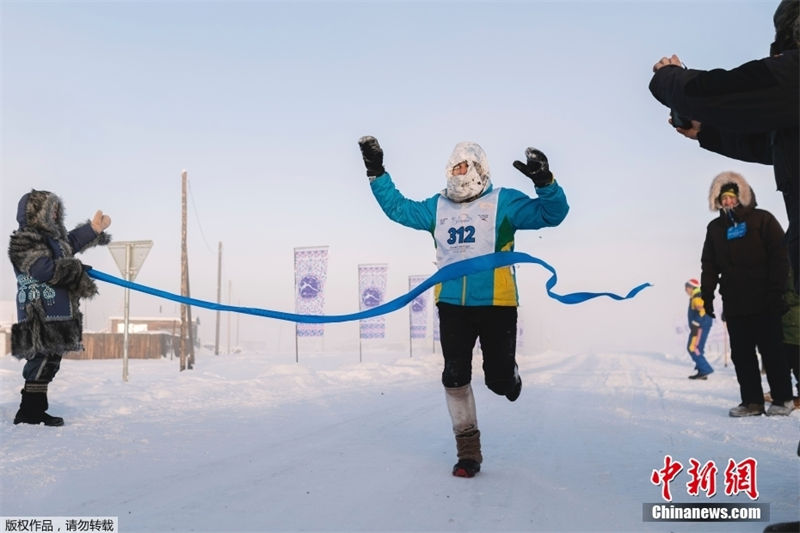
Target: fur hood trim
747	198
42	211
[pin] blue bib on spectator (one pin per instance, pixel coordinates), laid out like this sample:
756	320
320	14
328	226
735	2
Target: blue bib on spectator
737	231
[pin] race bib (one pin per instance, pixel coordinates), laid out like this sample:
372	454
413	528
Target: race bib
737	231
465	230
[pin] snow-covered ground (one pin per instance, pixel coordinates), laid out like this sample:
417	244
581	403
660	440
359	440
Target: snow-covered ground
257	442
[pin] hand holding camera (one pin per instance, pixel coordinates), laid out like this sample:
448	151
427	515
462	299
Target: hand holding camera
684	124
687	127
679	121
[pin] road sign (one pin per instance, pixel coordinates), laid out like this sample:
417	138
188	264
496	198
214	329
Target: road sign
129	256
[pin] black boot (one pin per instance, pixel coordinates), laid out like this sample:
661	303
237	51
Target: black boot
33	406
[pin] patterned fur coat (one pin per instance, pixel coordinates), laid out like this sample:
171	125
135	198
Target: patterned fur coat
50	280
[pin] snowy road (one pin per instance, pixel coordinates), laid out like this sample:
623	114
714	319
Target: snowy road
252	442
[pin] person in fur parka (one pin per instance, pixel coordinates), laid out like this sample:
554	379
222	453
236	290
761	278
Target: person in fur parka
745	253
50	284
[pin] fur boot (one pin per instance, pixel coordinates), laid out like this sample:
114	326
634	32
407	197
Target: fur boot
33	406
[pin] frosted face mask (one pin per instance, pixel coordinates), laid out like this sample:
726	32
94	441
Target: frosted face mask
467	172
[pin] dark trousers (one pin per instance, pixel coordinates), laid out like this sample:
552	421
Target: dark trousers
790	198
496	327
42	367
764	332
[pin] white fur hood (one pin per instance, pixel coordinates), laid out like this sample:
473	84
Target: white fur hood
747	197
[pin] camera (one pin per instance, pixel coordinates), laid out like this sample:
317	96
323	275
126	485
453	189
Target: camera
679	121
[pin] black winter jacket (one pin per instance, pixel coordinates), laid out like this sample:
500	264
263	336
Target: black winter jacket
751	270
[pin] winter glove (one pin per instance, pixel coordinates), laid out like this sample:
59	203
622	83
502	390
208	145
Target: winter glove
536	168
100	222
708	305
372	154
67	273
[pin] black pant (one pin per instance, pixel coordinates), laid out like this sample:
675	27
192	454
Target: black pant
790	198
765	332
43	367
496	327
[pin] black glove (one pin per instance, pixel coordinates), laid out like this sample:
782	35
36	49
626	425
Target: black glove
708	305
372	154
536	168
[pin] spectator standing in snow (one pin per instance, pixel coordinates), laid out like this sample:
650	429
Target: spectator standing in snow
50	284
791	336
699	327
750	113
745	254
470	218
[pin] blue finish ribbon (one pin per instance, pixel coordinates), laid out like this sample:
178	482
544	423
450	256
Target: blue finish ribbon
451	271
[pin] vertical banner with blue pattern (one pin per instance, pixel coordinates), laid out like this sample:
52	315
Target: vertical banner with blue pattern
418	310
310	273
371	293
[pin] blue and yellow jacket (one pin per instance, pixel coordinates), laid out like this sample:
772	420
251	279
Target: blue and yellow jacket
699	321
515	210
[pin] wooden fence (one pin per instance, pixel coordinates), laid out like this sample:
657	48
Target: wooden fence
140	346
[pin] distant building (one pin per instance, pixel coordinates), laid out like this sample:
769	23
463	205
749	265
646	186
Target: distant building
150	325
148	338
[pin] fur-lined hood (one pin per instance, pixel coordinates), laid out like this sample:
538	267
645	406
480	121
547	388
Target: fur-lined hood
42	211
747	198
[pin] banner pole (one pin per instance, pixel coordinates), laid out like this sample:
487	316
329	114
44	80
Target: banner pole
296	349
410	334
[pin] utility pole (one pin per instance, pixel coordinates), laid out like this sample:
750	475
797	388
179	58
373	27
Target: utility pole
186	311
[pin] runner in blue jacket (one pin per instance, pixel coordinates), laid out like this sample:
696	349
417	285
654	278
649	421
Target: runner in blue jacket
467	219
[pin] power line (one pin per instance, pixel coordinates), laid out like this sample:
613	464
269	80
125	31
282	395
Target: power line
197	216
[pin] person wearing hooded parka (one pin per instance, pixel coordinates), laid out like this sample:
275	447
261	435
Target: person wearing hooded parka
50	284
745	254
